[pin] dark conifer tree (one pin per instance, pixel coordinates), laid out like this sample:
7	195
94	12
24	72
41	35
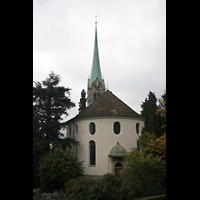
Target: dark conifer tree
50	104
153	121
82	103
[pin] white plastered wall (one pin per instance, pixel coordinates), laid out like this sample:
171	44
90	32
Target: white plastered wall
105	139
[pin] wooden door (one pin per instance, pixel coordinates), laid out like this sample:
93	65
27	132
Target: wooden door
118	169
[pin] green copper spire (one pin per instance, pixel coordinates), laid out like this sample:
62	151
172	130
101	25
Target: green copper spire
96	70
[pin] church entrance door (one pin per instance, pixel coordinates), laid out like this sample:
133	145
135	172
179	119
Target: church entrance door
118	169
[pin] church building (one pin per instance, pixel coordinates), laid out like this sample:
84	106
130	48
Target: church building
107	128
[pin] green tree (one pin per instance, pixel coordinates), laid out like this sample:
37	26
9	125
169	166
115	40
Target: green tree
144	176
161	111
158	146
152	120
146	169
82	103
50	104
56	167
144	139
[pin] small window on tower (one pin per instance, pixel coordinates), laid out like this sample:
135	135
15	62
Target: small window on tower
99	95
95	96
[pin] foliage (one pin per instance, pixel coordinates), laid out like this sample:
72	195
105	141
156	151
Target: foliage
109	187
153	121
145	138
158	148
145	171
50	104
56	167
148	141
71	183
162	111
82	103
144	175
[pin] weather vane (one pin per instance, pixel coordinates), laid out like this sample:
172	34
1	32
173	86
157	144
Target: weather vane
96	18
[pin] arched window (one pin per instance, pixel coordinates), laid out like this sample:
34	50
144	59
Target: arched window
92	128
116	127
76	129
137	128
118	165
92	152
70	131
99	95
94	96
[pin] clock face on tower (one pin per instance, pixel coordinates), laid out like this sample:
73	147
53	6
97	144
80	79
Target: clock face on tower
97	86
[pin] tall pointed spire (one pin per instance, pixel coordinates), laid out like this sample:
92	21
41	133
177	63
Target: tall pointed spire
96	70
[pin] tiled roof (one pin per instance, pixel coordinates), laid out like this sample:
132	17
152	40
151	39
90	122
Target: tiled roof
107	105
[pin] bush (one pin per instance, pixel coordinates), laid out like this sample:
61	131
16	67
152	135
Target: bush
56	167
71	183
109	187
144	175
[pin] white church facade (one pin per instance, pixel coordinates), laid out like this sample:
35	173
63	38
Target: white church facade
107	128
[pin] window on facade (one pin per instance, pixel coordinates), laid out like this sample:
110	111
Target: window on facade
92	128
70	131
116	127
95	96
92	153
99	95
137	128
76	129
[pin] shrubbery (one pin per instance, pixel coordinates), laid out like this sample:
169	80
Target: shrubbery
56	167
71	183
109	187
144	175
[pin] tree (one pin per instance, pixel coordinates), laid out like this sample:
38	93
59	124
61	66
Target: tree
144	176
148	142
145	170
162	111
50	104
56	167
145	138
82	103
158	147
152	120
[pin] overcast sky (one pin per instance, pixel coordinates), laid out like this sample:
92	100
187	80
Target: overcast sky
131	40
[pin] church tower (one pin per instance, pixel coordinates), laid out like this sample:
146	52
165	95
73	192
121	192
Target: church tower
96	85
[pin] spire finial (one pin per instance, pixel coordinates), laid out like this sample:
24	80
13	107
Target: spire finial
96	18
